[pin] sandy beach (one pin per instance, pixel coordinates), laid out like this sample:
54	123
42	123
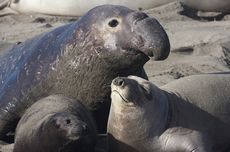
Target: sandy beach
198	44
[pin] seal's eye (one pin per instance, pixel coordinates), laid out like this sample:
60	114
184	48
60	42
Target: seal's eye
113	23
148	94
68	121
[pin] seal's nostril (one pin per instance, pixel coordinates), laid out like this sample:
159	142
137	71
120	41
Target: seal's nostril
118	82
84	127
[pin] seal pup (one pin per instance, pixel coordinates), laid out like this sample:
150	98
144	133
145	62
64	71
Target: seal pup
79	60
75	7
191	114
208	5
55	123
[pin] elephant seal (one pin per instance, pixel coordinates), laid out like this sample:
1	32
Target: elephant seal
79	60
75	7
208	5
191	114
55	123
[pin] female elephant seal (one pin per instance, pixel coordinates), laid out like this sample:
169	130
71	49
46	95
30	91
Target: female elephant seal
188	115
79	60
209	5
55	123
75	7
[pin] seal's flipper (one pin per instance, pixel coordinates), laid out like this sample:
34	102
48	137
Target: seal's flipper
183	139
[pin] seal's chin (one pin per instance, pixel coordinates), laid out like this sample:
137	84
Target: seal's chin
116	94
73	137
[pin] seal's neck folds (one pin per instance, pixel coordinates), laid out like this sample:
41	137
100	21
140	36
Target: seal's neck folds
134	125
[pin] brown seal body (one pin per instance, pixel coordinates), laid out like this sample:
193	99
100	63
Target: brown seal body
55	123
190	115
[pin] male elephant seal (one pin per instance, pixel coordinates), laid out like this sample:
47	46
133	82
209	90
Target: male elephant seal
188	115
79	60
75	7
55	123
209	5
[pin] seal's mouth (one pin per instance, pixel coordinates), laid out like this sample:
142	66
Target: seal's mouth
73	137
126	101
132	51
148	52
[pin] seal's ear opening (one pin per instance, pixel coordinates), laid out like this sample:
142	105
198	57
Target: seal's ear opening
54	123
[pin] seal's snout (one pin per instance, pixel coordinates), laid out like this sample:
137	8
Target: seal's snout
80	129
151	38
118	82
83	128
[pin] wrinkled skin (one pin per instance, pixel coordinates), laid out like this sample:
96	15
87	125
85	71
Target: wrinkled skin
79	60
187	115
55	123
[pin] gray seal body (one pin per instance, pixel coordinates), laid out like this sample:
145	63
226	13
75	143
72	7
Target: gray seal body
79	60
55	123
187	115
